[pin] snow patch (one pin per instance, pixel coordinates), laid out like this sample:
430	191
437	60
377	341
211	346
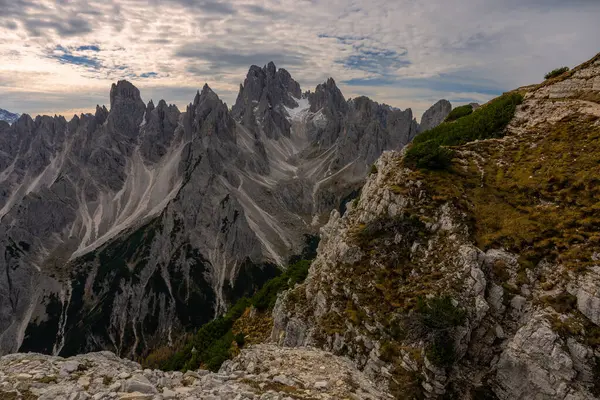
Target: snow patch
300	112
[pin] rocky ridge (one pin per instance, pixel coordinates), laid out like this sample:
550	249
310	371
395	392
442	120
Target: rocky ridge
450	283
261	372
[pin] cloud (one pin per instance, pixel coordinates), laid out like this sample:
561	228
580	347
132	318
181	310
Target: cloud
218	58
404	53
67	27
207	6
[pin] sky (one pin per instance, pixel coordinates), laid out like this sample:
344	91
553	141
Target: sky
60	57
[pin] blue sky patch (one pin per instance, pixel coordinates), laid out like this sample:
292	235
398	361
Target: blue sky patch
77	60
148	75
382	62
88	48
66	56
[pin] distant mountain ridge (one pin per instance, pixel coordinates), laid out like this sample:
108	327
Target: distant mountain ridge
123	227
8	116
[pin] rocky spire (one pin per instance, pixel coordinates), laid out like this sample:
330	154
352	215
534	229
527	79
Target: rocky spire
435	115
126	109
262	97
150	107
123	91
101	114
328	95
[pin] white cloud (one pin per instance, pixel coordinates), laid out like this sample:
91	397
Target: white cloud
407	53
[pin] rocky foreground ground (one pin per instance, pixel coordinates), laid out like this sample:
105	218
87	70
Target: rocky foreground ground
260	372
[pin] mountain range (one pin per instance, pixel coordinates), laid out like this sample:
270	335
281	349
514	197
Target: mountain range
121	229
8	117
464	265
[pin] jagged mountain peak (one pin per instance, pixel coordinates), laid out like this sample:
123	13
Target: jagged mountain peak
204	94
271	68
265	88
126	109
124	90
327	95
101	114
207	99
263	97
150	106
208	92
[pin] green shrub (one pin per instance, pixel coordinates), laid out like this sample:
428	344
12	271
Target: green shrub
563	303
439	317
373	169
265	298
441	351
486	122
439	313
556	72
429	155
459	112
240	339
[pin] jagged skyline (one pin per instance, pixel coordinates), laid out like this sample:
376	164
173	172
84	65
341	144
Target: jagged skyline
59	57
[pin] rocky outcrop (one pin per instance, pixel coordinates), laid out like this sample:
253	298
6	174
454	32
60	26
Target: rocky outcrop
537	364
435	115
261	372
427	283
336	311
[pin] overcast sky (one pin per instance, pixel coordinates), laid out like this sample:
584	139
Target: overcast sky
61	56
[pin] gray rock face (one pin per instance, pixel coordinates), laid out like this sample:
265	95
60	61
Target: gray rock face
435	115
504	332
329	97
587	291
122	228
535	364
262	97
